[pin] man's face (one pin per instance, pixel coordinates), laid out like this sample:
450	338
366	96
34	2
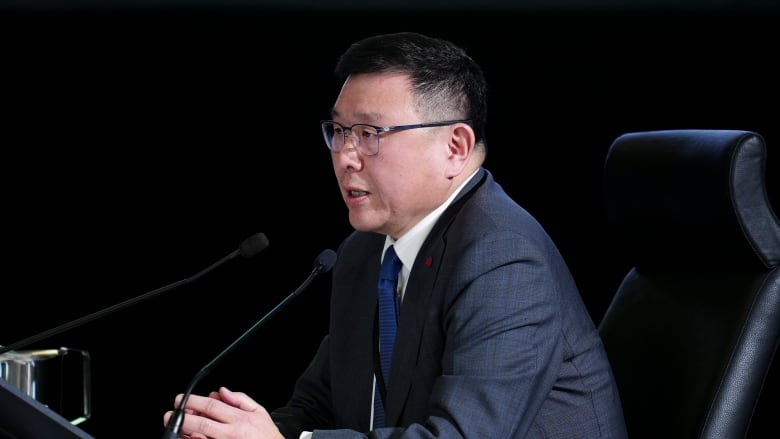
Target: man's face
408	178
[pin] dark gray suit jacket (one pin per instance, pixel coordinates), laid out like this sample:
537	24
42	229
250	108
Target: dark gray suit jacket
493	339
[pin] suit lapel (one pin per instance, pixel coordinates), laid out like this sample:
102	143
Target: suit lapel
354	300
417	301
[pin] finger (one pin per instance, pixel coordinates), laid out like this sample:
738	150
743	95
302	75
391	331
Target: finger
206	407
167	415
238	399
200	427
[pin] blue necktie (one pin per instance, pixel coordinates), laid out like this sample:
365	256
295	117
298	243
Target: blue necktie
388	320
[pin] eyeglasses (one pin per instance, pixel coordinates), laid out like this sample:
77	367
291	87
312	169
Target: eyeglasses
365	137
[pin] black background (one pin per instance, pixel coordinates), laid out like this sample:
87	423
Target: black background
143	143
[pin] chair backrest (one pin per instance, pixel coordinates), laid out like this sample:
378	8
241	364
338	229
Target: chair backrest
693	327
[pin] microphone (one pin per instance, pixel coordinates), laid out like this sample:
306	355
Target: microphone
322	264
249	247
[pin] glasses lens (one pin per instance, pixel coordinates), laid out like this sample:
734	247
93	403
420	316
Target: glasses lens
334	138
366	139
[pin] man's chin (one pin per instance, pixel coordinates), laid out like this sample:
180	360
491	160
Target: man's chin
364	223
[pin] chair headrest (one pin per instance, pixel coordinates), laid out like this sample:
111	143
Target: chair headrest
691	197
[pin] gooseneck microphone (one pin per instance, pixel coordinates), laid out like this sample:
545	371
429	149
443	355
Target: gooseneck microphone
249	247
322	264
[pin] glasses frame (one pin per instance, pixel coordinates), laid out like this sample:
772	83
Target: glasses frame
379	131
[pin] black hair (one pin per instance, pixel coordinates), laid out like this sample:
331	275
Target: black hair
447	82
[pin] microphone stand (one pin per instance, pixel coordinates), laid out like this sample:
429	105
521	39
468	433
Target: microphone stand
323	263
248	247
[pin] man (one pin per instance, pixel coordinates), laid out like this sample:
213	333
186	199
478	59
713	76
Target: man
493	339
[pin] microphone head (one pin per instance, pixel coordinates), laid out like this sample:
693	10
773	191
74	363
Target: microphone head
325	261
253	245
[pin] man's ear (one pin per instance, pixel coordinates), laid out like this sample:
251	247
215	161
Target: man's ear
461	147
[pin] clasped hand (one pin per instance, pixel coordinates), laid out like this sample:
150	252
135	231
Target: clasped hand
224	415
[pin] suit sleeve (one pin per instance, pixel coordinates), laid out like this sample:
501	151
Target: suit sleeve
502	325
307	407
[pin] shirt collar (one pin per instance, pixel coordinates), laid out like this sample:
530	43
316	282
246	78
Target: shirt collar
408	245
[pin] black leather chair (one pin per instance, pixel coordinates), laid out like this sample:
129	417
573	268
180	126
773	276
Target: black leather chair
693	327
